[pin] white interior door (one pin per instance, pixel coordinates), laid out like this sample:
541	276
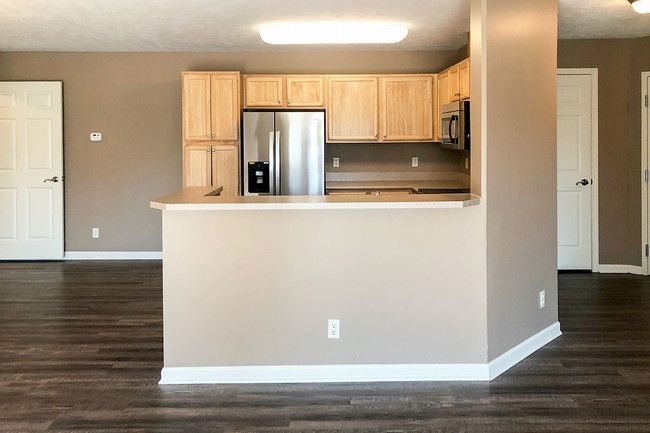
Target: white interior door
574	177
31	170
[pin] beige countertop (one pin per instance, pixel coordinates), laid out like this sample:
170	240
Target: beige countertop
204	198
404	184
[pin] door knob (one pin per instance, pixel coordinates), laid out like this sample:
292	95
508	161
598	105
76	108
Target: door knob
54	179
584	182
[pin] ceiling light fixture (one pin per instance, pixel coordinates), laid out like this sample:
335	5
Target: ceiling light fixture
333	33
641	6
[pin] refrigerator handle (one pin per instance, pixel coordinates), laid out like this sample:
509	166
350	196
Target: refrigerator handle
271	164
278	164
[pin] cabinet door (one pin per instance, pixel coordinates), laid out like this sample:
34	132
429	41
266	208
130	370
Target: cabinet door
196	107
454	83
352	108
464	79
303	91
196	166
444	89
263	91
407	108
225	169
225	106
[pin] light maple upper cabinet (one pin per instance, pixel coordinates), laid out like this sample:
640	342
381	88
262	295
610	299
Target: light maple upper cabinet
224	89
305	91
454	83
406	107
196	106
352	108
210	106
212	166
263	90
284	91
444	88
464	78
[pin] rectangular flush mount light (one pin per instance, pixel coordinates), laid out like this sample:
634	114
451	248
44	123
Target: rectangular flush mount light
333	33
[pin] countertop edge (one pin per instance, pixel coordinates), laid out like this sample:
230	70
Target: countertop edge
318	206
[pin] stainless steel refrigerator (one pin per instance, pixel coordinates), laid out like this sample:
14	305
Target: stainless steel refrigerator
283	153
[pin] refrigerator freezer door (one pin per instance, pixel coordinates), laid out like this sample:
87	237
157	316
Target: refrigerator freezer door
301	152
258	146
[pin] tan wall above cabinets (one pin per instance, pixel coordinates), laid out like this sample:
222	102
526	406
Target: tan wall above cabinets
212	166
378	108
284	91
210	107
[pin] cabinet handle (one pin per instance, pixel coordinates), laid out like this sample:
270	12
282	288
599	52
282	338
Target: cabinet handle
289	101
207	136
375	135
279	101
207	150
385	135
212	135
214	150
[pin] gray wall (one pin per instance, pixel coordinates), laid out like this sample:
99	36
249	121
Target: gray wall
135	100
520	54
620	63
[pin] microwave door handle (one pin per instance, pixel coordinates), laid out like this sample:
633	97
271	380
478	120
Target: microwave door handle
454	140
451	124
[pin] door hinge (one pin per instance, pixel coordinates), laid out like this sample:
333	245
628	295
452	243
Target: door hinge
647	250
646	176
646	100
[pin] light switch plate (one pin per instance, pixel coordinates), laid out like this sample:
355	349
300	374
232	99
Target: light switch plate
335	162
415	161
95	136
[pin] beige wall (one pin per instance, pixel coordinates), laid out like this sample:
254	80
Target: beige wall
134	99
364	157
519	53
259	287
620	63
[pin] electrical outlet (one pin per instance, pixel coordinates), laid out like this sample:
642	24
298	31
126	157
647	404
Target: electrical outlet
415	161
466	163
542	299
333	328
335	162
95	136
95	233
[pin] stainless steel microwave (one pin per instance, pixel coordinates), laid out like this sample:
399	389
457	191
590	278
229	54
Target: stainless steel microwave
454	125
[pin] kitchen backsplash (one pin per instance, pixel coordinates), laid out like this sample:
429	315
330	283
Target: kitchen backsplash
393	158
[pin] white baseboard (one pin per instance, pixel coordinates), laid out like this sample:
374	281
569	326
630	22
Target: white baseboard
521	351
359	372
324	373
621	269
113	255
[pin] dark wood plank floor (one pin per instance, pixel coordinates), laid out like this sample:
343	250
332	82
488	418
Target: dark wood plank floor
81	350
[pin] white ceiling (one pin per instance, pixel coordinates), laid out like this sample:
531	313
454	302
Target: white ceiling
233	25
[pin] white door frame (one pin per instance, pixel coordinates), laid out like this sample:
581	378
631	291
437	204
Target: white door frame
645	144
593	73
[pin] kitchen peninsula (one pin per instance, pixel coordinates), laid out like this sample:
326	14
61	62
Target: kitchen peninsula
251	282
415	287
